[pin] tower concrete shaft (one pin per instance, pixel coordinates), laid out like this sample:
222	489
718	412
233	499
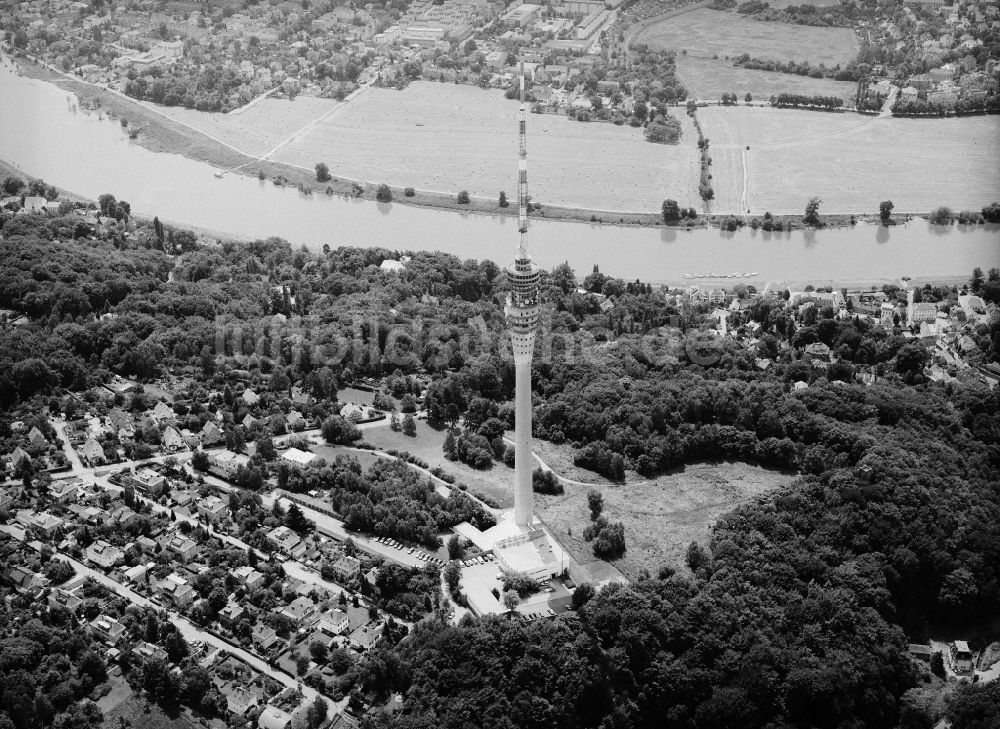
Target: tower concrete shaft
522	318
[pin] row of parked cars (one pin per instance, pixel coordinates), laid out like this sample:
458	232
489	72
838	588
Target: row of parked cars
478	559
423	556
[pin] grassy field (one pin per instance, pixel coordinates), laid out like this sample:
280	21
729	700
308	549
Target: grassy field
661	517
259	128
708	78
709	33
137	712
495	485
445	138
850	161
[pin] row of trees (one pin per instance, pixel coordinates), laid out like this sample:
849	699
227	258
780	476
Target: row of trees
803	101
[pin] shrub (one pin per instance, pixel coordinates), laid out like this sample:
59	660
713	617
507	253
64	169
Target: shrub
463	197
409	192
991	213
942	216
663	130
322	172
384	194
545	482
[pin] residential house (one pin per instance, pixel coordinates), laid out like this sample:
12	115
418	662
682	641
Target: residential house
37	438
333	622
264	637
297	457
143	650
231	613
295	421
274	718
104	555
172	440
34	204
61	597
149	482
163	413
299	609
65	490
108	629
6	498
961	657
137	575
213	508
287	541
366	637
819	351
211	435
240	701
352	412
344	568
226	463
43	523
121	423
123	516
18	456
24	580
249	576
250	397
92	452
182	548
176	589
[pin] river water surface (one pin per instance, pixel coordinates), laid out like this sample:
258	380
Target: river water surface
44	133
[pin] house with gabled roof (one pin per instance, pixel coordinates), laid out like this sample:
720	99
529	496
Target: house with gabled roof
250	397
162	413
19	455
172	440
122	423
25	581
211	434
37	438
92	452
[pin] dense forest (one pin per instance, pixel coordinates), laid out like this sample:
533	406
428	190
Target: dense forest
797	614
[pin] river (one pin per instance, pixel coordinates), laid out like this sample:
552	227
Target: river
44	133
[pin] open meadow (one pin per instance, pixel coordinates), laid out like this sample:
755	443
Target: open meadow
494	485
257	129
661	517
851	162
710	78
707	33
446	138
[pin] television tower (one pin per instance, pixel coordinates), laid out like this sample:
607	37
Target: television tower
522	318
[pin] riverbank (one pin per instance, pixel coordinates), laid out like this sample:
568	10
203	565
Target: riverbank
159	133
854	284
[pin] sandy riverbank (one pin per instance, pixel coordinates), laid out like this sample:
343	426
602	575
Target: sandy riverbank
161	134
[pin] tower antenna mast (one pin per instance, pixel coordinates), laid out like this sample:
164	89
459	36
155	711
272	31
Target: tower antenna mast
522	168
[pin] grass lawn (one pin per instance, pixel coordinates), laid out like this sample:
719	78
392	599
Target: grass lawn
259	128
709	33
330	453
448	137
851	162
495	485
139	713
661	517
709	78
